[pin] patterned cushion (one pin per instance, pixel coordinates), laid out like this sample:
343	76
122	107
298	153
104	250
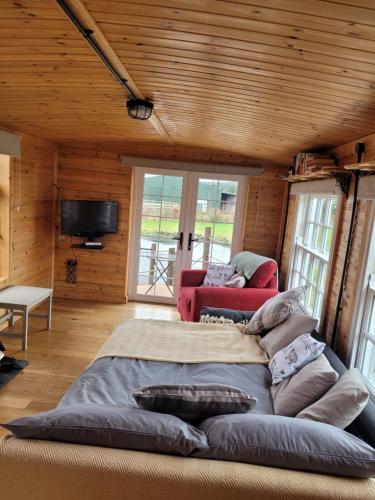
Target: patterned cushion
295	356
275	311
194	402
218	274
223	315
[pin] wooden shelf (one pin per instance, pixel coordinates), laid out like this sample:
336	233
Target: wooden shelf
367	166
318	174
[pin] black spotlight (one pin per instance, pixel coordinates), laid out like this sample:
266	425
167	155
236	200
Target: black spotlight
139	109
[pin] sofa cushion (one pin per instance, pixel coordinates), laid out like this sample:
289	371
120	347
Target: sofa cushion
341	404
275	311
283	334
305	387
194	402
111	426
283	442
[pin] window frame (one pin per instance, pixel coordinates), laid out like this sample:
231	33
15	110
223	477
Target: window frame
301	218
366	291
5	215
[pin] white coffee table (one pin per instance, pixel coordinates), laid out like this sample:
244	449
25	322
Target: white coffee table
19	301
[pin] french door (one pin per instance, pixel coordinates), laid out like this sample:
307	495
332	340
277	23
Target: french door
181	220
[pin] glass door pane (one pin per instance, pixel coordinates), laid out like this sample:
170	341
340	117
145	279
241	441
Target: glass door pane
214	222
160	228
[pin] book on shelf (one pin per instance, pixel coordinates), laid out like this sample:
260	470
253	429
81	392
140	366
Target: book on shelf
307	163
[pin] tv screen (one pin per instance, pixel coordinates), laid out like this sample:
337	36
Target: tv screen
88	218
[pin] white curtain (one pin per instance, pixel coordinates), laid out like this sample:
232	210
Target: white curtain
216	168
319	186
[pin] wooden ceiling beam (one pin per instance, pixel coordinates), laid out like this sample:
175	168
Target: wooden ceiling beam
83	14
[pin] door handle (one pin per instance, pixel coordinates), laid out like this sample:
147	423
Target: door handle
180	239
191	239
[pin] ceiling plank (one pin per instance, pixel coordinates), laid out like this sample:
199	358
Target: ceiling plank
99	37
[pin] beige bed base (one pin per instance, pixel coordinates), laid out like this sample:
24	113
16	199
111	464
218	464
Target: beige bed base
46	470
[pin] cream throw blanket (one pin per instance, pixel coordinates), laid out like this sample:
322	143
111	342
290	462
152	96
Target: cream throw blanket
181	342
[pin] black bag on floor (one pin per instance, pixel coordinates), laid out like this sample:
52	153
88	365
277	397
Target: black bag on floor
8	364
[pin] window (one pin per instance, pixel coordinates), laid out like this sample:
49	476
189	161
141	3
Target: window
364	357
316	216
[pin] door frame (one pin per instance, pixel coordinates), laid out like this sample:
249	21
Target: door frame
189	196
135	231
239	219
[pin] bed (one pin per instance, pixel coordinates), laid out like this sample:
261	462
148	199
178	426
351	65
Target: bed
76	471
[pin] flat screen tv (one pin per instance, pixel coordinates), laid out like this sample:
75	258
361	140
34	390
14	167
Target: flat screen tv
90	219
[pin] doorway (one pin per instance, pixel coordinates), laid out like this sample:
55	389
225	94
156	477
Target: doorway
181	220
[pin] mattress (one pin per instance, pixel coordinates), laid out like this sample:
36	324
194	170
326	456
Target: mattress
112	380
79	472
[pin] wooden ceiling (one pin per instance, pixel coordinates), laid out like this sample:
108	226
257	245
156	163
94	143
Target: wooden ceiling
263	78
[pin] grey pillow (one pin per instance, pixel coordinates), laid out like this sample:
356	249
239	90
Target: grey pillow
275	310
113	427
283	442
341	404
194	402
284	333
305	387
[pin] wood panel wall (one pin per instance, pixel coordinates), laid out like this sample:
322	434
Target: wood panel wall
90	173
93	171
346	155
31	240
265	212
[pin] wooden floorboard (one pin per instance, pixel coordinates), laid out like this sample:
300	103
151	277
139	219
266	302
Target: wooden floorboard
57	357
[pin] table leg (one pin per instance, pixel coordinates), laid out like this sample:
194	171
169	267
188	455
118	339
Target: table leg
49	312
25	329
11	319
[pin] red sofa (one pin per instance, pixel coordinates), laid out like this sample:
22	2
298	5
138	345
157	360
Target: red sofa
192	296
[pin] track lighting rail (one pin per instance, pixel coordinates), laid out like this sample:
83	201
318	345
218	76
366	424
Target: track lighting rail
88	35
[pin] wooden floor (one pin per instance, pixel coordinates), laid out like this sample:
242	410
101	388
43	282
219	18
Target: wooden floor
59	356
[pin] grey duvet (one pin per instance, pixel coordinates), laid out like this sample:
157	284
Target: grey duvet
112	380
99	410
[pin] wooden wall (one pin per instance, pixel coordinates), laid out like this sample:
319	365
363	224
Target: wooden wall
346	155
90	173
265	212
93	171
32	214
